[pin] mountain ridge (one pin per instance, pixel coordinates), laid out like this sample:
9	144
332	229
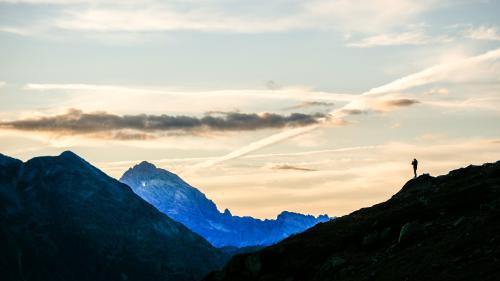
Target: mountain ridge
63	219
186	204
434	228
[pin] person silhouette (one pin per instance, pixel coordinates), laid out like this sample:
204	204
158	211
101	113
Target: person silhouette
414	163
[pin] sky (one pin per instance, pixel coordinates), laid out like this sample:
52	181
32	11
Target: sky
312	106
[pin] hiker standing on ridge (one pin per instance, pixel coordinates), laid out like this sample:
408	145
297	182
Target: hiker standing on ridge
414	163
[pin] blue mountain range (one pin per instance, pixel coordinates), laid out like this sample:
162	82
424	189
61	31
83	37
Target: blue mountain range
187	205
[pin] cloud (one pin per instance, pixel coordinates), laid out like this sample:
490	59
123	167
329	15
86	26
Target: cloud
401	102
291	167
220	16
437	91
298	93
125	164
15	30
122	135
347	111
312	152
85	87
416	37
229	16
158	100
162	18
367	16
77	122
390	104
307	104
367	104
483	103
2	84
483	33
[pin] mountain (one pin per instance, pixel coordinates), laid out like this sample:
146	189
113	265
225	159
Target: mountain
186	204
435	228
63	219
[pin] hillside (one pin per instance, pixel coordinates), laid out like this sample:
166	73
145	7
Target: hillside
63	219
189	206
435	228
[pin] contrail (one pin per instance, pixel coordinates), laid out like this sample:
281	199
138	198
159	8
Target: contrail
433	74
257	145
426	76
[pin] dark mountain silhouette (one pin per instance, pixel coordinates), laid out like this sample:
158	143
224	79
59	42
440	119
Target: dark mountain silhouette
63	219
435	228
187	205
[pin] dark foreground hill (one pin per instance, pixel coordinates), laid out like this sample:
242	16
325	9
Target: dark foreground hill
63	219
435	228
189	206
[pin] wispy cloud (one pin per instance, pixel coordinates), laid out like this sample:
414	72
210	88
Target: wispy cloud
367	16
298	93
445	72
388	104
483	32
86	87
15	30
307	104
225	16
2	83
291	167
415	37
125	164
484	103
157	100
367	103
400	102
100	124
166	18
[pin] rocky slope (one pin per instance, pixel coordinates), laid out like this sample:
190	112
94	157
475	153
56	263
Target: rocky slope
63	219
435	228
186	204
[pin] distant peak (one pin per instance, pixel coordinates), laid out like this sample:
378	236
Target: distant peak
146	168
324	217
287	214
145	165
227	212
70	155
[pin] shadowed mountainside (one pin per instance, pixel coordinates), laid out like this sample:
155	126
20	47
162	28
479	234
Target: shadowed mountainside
435	228
187	205
63	219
